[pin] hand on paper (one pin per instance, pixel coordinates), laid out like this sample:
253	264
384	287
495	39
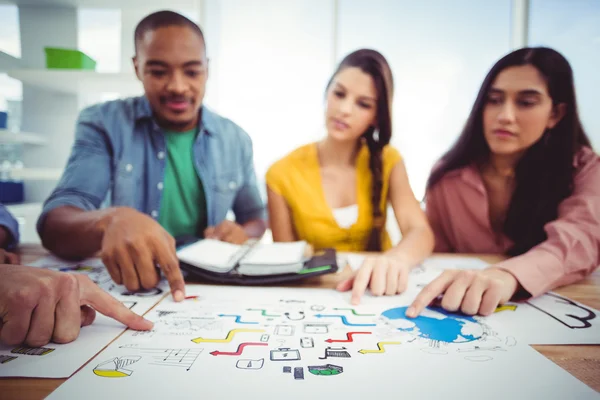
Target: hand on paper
469	291
383	274
227	231
38	306
133	244
8	258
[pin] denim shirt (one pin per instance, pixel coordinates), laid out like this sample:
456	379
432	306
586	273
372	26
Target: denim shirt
120	152
12	226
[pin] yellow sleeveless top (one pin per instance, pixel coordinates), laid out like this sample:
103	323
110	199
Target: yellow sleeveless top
297	178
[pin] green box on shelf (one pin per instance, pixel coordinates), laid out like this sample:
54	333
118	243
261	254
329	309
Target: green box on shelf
57	58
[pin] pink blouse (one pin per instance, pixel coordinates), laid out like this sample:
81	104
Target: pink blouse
457	209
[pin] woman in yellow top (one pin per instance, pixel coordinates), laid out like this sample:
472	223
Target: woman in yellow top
334	193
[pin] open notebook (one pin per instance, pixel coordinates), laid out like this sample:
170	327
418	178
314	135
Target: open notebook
251	259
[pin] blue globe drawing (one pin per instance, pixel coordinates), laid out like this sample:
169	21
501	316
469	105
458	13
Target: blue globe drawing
435	323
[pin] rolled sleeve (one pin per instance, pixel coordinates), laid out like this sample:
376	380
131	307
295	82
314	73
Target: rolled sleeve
86	179
8	222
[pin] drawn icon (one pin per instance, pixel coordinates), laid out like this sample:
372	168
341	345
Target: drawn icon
228	338
239	351
295	316
115	368
307	342
285	354
284	330
287	369
478	358
32	351
265	337
349	337
335	352
325	370
563	310
181	358
250	364
379	346
298	373
6	359
343	318
510	341
292	301
316	328
129	304
317	307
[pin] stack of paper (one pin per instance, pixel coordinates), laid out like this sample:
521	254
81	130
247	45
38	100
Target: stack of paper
274	258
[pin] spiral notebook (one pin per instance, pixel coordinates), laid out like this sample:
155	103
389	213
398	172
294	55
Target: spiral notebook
252	258
253	263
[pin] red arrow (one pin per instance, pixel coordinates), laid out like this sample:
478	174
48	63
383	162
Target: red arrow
239	349
349	337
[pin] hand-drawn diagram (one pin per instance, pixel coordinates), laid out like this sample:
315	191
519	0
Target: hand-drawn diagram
325	370
480	348
239	350
298	373
349	337
32	351
316	328
264	337
227	338
436	323
479	358
164	313
380	347
548	305
435	347
343	318
287	369
307	342
285	354
129	304
284	330
317	307
6	359
181	358
339	352
115	368
250	364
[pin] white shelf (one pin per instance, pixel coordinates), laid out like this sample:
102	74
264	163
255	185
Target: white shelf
176	4
79	81
20	137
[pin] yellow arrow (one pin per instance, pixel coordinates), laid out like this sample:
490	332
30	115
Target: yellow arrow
379	346
511	307
230	336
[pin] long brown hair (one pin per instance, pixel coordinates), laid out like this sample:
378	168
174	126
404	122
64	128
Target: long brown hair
376	137
545	174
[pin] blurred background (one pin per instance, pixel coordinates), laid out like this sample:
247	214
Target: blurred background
269	63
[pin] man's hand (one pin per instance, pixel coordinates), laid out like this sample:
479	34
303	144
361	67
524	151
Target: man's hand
132	245
8	258
470	291
38	306
227	231
383	274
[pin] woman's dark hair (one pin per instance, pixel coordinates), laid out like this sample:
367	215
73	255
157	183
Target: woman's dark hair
544	175
376	137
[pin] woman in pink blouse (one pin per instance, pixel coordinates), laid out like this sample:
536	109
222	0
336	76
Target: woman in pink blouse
521	180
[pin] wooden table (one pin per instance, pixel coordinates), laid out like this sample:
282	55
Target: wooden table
582	361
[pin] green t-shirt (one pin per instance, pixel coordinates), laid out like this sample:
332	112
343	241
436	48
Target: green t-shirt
183	206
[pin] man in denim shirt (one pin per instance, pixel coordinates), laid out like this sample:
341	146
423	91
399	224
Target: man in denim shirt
9	237
172	167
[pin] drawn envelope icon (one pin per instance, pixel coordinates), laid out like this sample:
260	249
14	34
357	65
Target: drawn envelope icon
250	364
285	354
